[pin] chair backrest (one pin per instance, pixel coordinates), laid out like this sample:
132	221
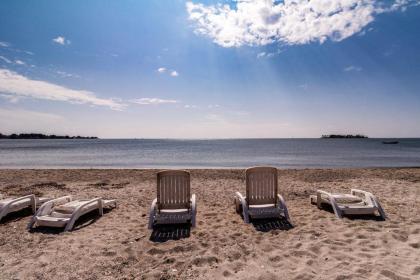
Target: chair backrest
261	185
173	189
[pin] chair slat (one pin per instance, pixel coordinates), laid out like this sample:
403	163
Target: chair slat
173	187
261	184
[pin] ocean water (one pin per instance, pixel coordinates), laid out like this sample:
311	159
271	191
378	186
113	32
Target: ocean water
232	153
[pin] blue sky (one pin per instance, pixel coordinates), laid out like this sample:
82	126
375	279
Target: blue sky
182	69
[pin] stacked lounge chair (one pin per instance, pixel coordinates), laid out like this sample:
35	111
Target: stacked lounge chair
173	204
64	211
262	199
14	204
358	202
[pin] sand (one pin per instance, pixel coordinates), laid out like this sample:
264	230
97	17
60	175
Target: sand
119	245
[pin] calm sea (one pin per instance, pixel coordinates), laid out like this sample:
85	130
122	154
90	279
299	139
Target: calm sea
236	153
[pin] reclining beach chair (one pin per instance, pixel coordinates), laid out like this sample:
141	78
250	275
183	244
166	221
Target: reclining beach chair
64	211
262	199
173	204
14	204
357	203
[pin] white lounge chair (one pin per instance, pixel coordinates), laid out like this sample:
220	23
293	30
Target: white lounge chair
173	204
262	199
14	204
64	211
358	202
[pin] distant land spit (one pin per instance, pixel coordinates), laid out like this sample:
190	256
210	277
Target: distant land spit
343	136
42	136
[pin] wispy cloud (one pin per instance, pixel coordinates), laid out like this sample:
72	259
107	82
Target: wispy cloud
352	68
5	59
66	75
257	22
19	62
4	44
190	106
172	73
61	40
161	70
15	85
153	101
268	54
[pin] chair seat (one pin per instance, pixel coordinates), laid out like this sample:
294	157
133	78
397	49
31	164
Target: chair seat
264	211
341	199
49	221
70	207
174	211
259	206
173	217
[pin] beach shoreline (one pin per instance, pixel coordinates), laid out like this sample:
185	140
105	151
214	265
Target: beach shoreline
119	245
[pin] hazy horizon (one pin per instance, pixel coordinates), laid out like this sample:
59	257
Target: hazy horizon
201	70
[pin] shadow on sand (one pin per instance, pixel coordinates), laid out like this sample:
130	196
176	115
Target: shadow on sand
266	225
16	216
163	233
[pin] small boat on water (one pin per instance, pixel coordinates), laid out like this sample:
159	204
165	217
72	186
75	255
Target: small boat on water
390	142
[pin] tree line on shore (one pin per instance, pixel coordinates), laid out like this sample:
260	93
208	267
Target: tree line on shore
343	136
42	136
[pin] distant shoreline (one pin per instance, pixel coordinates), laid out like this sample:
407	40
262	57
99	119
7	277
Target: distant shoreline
340	136
42	136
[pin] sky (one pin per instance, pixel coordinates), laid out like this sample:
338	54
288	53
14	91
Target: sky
210	69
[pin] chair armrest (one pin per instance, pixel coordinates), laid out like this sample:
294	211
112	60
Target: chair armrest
152	214
46	208
283	206
242	200
372	200
193	202
31	197
360	192
332	200
78	212
193	209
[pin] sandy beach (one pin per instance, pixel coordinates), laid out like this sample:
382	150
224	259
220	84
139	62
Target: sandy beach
119	245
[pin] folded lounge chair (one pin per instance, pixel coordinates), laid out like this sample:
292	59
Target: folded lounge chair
13	204
173	204
262	199
64	211
357	203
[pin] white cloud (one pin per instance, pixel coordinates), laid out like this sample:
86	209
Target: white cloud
352	68
4	44
67	75
162	70
261	54
13	84
291	22
5	59
188	106
153	101
19	62
61	40
174	73
268	55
